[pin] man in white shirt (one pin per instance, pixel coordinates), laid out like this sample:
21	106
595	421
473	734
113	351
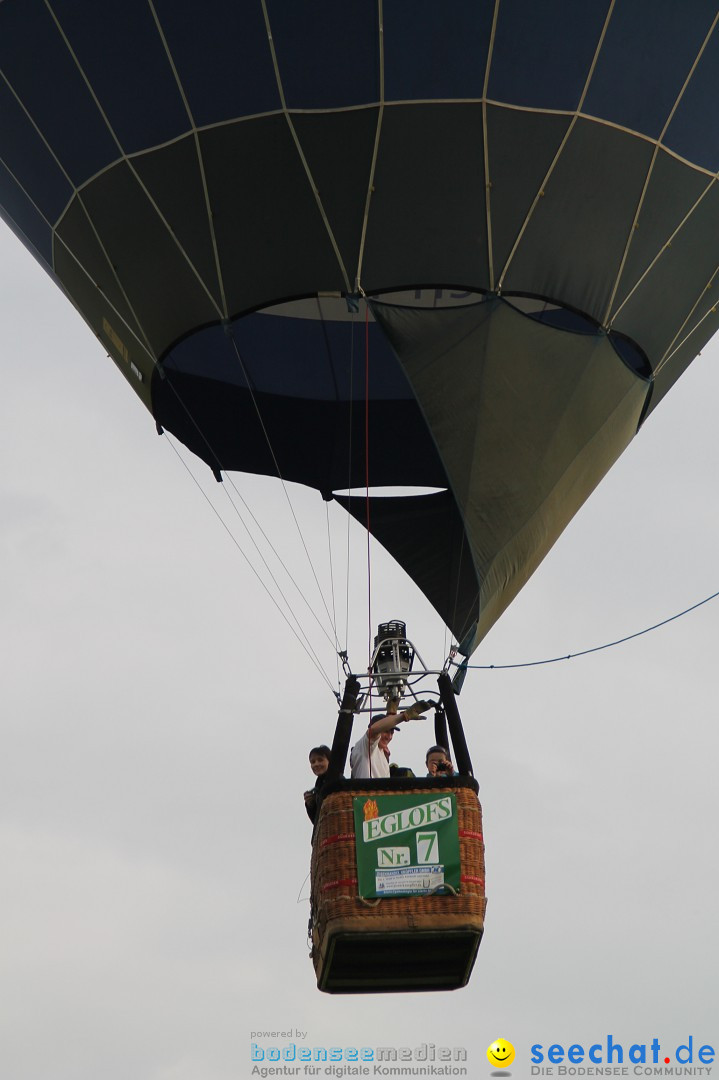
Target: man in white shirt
370	754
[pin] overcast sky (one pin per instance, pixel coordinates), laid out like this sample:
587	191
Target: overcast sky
157	714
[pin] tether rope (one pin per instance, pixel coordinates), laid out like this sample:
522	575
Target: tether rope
596	648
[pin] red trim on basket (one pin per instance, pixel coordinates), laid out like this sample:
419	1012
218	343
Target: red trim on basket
470	834
337	838
470	880
339	881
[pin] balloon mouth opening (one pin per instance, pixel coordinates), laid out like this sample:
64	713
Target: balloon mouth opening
338	307
388	492
550	313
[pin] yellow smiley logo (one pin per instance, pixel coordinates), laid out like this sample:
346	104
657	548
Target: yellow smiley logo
500	1053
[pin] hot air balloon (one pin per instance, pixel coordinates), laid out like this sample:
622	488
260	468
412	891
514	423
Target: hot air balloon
519	201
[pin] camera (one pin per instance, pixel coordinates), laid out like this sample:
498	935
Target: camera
444	767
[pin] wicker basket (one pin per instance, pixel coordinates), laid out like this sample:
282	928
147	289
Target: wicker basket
397	942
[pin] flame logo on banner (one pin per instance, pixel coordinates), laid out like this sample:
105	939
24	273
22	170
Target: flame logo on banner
371	810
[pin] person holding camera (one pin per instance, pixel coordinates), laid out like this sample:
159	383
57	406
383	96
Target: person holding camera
439	762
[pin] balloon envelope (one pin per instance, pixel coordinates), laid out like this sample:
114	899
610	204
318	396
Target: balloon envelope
526	191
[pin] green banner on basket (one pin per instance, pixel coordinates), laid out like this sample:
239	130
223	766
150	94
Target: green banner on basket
407	845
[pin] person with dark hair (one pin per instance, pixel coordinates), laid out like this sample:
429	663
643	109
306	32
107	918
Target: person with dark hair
439	762
319	763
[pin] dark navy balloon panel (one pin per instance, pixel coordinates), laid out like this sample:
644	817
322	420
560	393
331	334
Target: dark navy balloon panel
327	52
38	65
693	132
543	53
31	163
435	51
132	77
222	56
530	188
645	59
21	215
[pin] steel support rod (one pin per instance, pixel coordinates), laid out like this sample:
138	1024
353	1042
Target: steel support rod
462	760
343	730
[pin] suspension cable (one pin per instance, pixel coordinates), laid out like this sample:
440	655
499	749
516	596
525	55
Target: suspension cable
367	525
274	551
305	644
367	500
332	588
596	648
218	468
265	432
266	565
349	473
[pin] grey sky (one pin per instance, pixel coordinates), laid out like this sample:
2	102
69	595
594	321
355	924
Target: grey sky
157	715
